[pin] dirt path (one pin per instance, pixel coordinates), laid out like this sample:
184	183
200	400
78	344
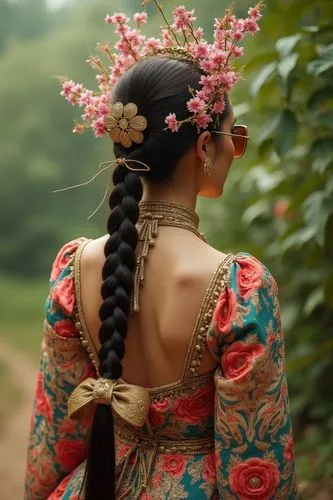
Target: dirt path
13	440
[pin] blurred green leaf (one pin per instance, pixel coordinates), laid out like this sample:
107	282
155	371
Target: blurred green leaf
263	76
314	300
316	209
286	133
302	362
326	119
324	62
286	44
259	209
329	290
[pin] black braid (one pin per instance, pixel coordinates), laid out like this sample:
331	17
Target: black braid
116	293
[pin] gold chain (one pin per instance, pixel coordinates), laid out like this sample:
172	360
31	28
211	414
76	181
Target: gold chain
152	215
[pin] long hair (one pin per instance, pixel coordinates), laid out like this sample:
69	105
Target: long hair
158	86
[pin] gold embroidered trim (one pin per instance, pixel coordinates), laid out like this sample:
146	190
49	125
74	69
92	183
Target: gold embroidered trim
199	339
180	387
185	446
80	323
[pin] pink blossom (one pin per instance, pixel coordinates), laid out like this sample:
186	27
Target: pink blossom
199	33
86	97
219	37
71	91
254	12
218	57
103	109
207	65
166	38
123	47
90	112
153	44
67	88
182	18
172	123
228	79
134	37
117	18
101	78
208	81
201	50
237	24
238	51
203	94
251	26
196	105
238	35
140	18
203	120
98	127
219	106
122	30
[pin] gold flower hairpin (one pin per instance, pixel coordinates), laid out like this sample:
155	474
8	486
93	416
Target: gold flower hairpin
125	125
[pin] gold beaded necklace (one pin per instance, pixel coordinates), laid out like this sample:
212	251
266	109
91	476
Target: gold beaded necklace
152	215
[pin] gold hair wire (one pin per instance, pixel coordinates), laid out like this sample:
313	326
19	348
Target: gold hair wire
103	167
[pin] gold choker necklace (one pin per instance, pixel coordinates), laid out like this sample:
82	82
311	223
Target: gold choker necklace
152	215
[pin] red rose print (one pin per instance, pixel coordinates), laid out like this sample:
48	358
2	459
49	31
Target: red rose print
237	361
43	406
156	412
218	460
209	473
225	311
174	465
59	492
254	479
194	408
288	452
249	276
63	294
145	496
63	258
65	328
156	418
70	453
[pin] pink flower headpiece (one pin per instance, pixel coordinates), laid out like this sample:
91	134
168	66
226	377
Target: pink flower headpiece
180	39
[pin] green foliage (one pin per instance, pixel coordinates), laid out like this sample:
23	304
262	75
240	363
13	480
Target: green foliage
285	194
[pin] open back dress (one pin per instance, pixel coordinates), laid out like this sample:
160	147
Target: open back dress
224	434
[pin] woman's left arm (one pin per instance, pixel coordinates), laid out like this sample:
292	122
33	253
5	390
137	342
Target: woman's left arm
56	444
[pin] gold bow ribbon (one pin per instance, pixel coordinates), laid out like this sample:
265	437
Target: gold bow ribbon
130	402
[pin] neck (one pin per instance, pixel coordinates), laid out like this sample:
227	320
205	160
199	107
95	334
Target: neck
172	193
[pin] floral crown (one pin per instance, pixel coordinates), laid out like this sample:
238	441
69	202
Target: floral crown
180	39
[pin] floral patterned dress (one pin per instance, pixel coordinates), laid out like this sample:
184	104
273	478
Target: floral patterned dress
225	434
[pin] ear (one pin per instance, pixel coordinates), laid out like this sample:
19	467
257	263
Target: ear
201	149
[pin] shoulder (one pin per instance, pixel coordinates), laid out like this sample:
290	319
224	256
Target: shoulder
248	275
61	299
64	258
247	300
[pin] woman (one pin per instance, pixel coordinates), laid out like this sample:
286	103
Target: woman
167	354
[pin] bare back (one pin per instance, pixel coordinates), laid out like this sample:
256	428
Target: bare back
177	275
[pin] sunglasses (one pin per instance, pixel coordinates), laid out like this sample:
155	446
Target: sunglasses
239	138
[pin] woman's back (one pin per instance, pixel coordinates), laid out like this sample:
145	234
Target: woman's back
177	276
167	355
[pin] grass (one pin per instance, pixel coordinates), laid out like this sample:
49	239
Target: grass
10	394
22	314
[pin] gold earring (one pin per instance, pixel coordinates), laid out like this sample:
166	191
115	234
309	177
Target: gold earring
208	167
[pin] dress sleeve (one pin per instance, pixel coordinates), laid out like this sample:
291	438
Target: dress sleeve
253	435
56	444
